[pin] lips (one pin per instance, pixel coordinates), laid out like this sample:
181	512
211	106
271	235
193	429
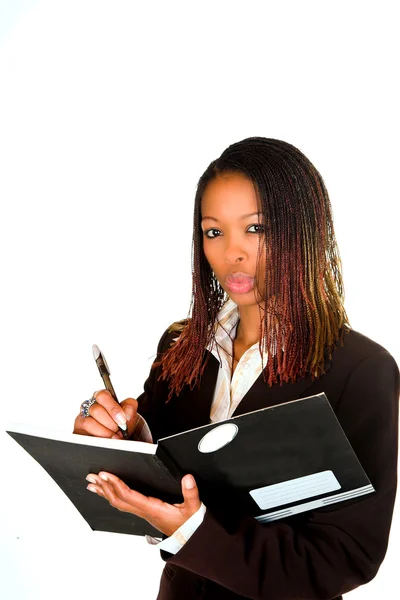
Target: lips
238	278
239	283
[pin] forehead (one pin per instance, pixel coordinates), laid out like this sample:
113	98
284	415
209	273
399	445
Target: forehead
233	192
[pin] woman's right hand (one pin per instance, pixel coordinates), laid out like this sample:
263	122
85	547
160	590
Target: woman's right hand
105	415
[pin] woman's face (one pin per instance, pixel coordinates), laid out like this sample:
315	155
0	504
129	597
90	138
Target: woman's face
232	230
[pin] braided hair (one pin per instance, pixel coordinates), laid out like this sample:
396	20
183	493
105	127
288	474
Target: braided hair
303	276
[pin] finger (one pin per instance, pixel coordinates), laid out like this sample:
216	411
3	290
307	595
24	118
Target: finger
118	494
129	406
96	489
115	502
104	398
138	429
116	489
190	494
101	487
89	426
93	478
95	483
99	414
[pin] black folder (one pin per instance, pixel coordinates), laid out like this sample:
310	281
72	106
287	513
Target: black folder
270	464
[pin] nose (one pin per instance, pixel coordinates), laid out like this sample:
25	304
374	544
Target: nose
233	252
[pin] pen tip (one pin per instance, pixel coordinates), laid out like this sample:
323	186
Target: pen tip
96	351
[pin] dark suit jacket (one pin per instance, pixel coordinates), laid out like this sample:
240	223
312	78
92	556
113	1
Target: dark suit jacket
316	555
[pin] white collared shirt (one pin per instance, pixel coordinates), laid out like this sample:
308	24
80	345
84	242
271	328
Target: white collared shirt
227	396
229	392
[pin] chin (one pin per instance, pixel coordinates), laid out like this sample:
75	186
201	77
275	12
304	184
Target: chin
245	299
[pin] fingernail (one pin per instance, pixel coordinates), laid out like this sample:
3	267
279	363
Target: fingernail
91	488
115	437
120	418
91	479
128	410
189	482
103	476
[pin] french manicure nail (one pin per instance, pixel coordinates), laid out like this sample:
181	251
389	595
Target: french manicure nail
121	420
91	479
189	482
91	488
104	477
128	410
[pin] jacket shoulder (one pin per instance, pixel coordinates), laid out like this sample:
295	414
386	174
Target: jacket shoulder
171	334
358	347
178	326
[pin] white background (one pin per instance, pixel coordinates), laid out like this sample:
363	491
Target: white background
109	114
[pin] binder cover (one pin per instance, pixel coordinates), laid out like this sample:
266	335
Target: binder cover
270	464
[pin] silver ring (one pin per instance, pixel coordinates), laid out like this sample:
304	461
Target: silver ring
85	406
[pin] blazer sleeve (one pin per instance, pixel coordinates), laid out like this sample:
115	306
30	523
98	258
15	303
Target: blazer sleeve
329	551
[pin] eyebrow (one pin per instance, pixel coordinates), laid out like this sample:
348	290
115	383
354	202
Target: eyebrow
242	217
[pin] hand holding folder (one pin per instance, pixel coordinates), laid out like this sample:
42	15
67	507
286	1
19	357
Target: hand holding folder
165	517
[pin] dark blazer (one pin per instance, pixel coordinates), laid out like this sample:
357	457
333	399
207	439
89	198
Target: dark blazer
315	555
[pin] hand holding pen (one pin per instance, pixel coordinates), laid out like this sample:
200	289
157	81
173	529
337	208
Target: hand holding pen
105	416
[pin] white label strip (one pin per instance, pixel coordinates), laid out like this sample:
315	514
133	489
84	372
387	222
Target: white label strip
295	489
314	504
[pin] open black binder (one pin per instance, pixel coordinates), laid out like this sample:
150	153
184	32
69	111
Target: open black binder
272	463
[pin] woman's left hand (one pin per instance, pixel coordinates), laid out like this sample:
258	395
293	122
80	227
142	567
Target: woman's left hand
165	517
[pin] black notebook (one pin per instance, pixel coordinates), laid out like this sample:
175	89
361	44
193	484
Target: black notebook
269	464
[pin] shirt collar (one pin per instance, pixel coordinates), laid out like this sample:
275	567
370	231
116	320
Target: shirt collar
227	320
225	328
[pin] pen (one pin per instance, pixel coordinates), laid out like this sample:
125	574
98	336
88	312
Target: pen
105	375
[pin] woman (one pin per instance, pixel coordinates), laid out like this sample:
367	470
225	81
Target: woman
267	326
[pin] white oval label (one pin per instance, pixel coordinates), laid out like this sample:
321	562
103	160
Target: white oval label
218	437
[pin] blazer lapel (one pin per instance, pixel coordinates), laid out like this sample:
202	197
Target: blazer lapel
192	408
261	395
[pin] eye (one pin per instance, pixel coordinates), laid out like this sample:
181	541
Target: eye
206	233
261	228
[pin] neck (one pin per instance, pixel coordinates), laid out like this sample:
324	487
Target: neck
248	330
